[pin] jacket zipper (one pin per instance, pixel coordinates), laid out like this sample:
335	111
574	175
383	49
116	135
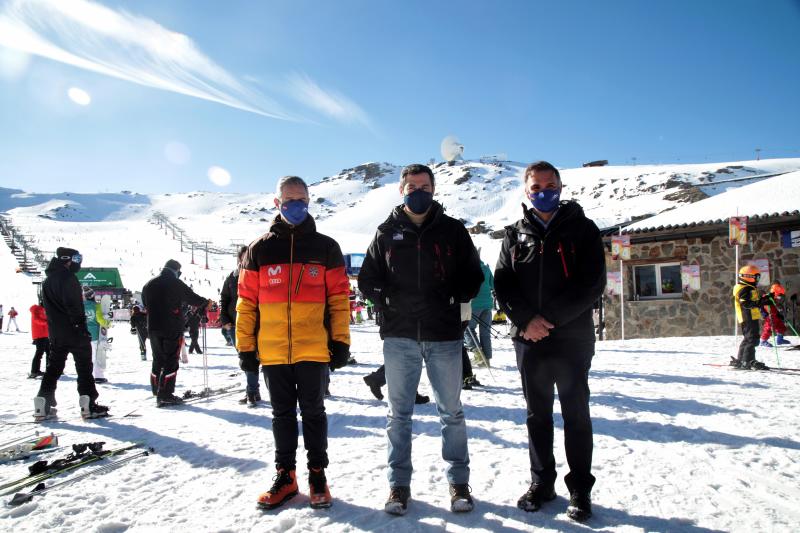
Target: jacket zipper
299	279
563	260
541	272
289	291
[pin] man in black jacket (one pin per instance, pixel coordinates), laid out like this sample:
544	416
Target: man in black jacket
163	297
550	272
62	298
419	268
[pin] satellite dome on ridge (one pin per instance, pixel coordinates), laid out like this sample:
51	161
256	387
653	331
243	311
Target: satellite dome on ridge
451	148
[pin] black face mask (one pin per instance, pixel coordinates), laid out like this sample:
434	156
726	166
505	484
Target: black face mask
74	267
418	201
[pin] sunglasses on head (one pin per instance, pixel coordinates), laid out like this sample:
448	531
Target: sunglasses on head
76	258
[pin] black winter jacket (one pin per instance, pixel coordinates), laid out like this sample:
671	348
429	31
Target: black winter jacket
418	276
228	297
163	296
558	273
139	321
63	303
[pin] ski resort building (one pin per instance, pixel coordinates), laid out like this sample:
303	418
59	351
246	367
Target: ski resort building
104	281
681	270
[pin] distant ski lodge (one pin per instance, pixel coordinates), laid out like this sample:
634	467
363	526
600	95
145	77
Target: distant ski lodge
681	271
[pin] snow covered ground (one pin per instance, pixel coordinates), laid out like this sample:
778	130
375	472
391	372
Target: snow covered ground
679	446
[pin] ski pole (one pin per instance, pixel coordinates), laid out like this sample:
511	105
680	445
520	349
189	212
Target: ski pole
787	322
23	497
205	361
495	332
480	353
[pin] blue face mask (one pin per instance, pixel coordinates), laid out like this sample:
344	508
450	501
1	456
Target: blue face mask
294	211
418	201
545	200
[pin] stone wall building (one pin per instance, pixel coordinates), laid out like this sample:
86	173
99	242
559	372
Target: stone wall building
656	302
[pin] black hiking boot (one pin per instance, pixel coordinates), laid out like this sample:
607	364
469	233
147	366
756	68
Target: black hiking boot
537	494
168	400
374	387
580	506
460	498
397	503
421	399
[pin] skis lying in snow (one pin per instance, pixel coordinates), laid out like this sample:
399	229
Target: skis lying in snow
786	370
195	396
82	454
23	449
40	489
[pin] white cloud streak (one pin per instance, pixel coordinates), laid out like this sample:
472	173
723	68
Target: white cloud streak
91	36
330	103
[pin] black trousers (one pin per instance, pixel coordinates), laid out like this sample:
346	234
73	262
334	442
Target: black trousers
466	364
194	346
300	384
166	357
568	370
42	348
81	351
142	336
747	348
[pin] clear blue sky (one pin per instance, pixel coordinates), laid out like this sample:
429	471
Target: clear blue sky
364	80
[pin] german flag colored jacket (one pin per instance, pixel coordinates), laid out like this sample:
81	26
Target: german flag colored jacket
293	295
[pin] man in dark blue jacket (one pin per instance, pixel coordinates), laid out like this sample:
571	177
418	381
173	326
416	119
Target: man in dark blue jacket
550	272
420	267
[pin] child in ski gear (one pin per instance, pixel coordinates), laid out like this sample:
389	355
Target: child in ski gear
40	339
293	279
95	321
773	318
163	296
553	331
419	268
12	317
139	326
66	322
747	304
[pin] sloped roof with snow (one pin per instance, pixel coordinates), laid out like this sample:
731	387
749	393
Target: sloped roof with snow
772	197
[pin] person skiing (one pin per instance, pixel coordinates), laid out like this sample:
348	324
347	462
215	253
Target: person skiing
773	318
12	317
482	306
39	334
139	326
95	322
163	297
420	266
550	272
66	323
292	317
747	304
193	318
228	297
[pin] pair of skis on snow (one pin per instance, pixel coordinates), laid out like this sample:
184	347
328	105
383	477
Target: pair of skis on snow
27	446
82	455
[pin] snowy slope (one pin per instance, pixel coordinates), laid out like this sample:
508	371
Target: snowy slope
678	447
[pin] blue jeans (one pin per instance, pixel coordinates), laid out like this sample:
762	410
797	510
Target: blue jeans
403	360
483	318
252	382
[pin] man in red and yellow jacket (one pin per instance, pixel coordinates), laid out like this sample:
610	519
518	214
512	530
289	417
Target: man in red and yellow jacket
40	339
293	317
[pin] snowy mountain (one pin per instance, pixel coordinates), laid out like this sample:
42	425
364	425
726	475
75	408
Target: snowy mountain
117	229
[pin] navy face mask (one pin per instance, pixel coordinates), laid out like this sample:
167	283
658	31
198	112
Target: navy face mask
418	201
294	211
545	200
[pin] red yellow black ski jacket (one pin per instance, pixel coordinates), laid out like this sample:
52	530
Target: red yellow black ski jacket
293	295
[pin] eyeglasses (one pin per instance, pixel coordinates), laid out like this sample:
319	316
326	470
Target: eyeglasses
77	258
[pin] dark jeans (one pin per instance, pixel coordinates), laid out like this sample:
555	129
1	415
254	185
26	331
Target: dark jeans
42	348
568	370
466	364
300	384
747	349
194	346
82	355
142	336
166	358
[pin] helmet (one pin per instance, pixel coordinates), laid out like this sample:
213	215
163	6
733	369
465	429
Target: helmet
777	289
749	274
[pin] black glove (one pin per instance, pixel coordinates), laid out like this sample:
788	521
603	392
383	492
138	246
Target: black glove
204	319
133	331
780	317
248	361
340	353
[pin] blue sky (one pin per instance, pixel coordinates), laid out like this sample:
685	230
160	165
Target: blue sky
264	89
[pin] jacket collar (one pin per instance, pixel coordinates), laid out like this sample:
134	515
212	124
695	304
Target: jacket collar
281	228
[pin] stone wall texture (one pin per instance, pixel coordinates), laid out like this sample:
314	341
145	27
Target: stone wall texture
710	310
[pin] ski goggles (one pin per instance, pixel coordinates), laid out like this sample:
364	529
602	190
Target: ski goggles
75	258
